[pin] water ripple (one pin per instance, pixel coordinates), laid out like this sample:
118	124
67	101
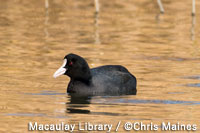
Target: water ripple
138	101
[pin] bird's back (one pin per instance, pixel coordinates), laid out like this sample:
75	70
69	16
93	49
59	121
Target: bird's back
114	79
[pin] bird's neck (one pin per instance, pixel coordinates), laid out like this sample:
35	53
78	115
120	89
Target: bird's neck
85	78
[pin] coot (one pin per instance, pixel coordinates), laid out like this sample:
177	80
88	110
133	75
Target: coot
103	80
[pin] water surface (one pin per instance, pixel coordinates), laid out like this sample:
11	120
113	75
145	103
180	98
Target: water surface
161	50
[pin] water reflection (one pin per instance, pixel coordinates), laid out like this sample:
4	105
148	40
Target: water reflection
158	17
96	27
193	28
46	19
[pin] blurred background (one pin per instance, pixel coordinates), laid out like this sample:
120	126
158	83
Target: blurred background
161	50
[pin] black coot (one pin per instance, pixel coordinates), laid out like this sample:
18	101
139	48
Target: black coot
103	80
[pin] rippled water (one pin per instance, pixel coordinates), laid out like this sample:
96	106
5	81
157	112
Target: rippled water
161	50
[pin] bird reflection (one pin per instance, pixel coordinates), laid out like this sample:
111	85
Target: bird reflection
77	102
80	103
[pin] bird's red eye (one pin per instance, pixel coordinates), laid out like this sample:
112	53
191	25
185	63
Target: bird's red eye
70	63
